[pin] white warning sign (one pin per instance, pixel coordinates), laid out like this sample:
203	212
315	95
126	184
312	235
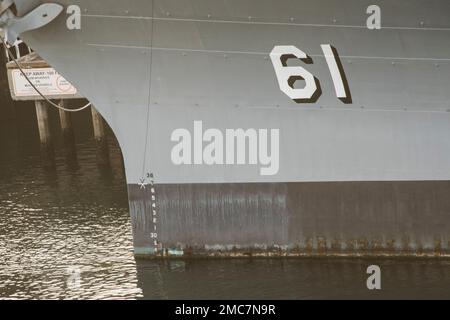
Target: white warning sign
47	81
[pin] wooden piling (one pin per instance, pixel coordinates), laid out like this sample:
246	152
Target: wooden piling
43	121
65	120
100	138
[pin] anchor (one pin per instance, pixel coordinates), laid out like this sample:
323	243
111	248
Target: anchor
19	16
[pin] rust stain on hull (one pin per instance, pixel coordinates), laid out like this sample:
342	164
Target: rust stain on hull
357	248
293	219
293	254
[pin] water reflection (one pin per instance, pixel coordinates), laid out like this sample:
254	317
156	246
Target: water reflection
75	217
292	279
68	216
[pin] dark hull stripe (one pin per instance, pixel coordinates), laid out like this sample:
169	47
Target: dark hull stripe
371	218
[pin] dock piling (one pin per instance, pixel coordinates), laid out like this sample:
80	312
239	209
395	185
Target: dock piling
100	138
65	119
42	115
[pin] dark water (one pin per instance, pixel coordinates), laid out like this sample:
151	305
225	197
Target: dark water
75	217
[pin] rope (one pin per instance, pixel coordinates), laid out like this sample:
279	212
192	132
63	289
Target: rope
149	90
34	87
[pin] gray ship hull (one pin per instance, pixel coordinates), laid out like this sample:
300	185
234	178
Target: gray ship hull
369	175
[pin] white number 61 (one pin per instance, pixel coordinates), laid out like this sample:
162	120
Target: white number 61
310	93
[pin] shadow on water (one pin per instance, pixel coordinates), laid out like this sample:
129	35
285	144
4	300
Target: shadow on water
317	278
71	214
76	215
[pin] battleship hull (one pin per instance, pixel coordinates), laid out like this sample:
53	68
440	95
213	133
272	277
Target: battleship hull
366	175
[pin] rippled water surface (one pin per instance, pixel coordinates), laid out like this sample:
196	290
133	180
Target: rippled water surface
51	220
75	217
